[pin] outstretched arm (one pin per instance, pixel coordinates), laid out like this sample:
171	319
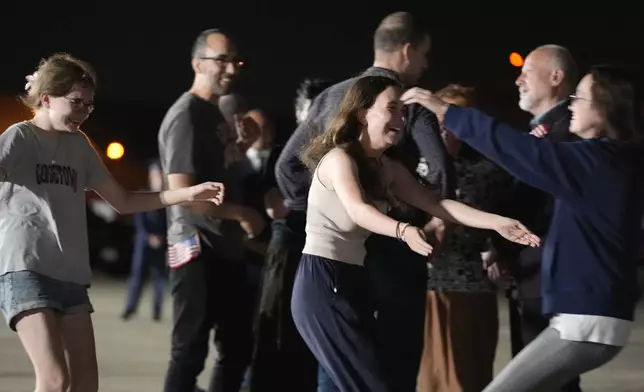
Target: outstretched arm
410	191
339	171
126	202
100	180
292	176
556	168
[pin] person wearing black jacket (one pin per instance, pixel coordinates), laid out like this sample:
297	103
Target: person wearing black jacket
397	275
281	359
548	77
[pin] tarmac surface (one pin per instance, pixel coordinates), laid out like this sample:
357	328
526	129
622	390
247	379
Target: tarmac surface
133	356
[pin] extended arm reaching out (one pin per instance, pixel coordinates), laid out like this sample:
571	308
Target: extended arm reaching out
556	168
410	191
339	172
125	202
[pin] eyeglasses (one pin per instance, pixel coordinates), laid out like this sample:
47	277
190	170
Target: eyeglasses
78	103
574	98
223	60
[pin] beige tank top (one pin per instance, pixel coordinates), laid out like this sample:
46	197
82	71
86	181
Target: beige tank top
330	232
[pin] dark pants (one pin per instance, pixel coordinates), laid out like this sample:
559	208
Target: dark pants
398	283
333	312
398	280
281	360
526	323
210	293
146	261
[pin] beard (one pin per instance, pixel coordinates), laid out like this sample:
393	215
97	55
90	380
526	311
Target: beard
222	84
526	102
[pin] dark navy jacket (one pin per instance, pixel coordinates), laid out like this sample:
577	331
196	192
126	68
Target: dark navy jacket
150	222
588	265
533	208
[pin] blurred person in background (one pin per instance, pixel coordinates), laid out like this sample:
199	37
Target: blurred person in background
281	360
149	254
231	106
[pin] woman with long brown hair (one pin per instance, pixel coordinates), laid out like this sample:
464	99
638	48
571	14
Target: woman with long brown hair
353	184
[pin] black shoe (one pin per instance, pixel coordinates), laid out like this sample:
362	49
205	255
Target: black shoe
127	315
156	316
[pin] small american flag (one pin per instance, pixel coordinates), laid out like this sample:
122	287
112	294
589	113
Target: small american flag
184	251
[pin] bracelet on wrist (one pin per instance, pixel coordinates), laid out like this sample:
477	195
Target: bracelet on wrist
398	230
402	232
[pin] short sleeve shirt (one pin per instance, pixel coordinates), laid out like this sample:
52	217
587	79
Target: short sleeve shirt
43	223
195	139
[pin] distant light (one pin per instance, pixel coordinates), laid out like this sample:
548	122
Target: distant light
516	59
115	150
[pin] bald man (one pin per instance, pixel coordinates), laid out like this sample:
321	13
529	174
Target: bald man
206	253
548	78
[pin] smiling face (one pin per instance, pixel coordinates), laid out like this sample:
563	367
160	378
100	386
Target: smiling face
537	83
384	120
68	112
586	121
218	63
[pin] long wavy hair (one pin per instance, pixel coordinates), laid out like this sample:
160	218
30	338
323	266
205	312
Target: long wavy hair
344	133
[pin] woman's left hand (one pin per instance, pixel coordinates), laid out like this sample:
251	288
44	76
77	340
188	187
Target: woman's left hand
515	231
427	99
207	191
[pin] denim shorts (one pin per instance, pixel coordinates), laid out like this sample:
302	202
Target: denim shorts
26	290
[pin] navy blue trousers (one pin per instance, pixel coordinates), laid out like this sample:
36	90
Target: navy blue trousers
333	312
146	261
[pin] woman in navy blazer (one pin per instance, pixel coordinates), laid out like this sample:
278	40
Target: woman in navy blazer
589	286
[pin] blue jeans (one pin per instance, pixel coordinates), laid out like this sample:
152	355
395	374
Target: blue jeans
145	262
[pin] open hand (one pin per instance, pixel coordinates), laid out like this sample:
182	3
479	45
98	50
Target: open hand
515	231
207	191
415	239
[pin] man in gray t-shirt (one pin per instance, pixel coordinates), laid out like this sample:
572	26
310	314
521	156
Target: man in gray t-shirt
210	287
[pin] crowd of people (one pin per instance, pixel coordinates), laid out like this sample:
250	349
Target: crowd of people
366	252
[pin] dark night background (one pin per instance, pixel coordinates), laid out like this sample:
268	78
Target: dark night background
141	51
